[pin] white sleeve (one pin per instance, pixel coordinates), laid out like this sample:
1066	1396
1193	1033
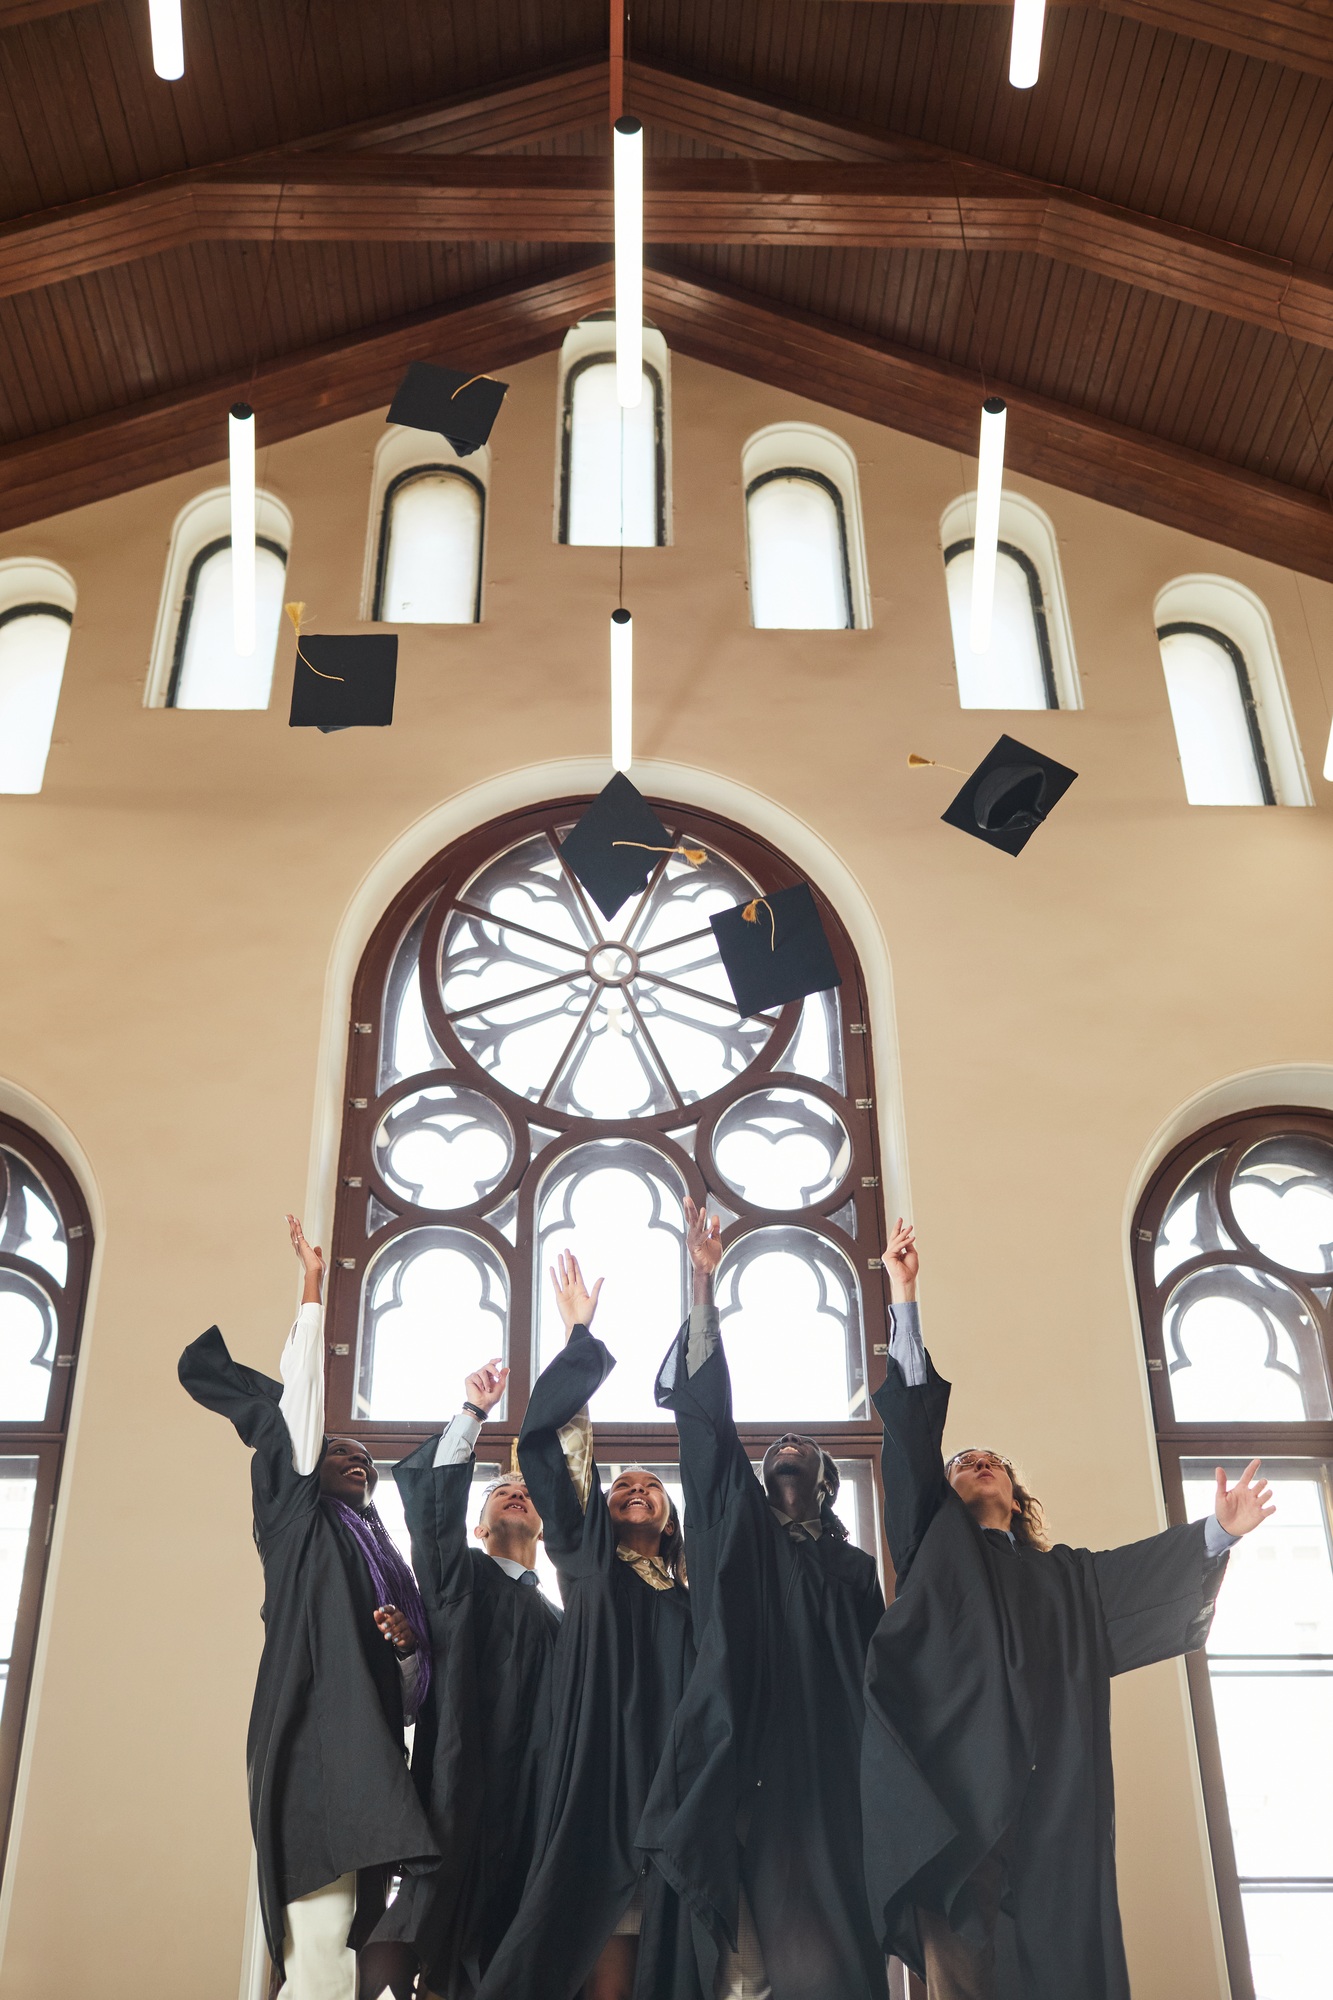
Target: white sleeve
905	1343
1217	1539
458	1440
302	1371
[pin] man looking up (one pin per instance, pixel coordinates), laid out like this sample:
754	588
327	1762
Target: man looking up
754	1817
493	1634
986	1767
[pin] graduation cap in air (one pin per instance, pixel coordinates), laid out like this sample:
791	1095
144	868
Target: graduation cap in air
1009	795
460	405
774	949
342	682
617	844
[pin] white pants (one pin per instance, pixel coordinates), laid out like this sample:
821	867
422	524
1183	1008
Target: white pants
319	1965
740	1974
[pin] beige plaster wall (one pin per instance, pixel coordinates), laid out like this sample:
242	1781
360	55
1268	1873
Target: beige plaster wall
169	908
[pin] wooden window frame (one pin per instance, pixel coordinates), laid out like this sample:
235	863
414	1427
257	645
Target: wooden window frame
1232	1138
364	1106
580	367
1246	687
391	492
1037	600
835	493
44	1439
192	575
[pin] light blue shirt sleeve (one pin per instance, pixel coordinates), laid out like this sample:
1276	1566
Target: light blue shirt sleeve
1217	1539
458	1440
705	1332
905	1343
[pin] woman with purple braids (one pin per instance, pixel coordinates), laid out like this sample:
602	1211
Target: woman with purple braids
346	1663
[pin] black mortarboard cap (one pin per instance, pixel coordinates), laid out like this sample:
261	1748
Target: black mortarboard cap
344	682
777	952
1009	795
458	403
610	872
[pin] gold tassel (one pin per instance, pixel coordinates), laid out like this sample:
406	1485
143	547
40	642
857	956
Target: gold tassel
915	763
696	856
750	915
513	1457
296	612
468	384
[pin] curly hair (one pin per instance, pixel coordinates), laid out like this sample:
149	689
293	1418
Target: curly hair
1028	1521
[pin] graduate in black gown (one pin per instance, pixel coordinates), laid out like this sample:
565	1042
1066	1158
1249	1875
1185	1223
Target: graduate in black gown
755	1817
591	1918
484	1735
987	1789
331	1798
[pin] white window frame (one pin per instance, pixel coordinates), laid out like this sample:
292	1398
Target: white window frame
400	452
33	583
597	336
810	448
1227	607
1029	529
205	519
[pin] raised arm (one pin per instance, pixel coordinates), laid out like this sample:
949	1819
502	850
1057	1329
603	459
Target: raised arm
695	1384
912	1402
435	1482
555	1446
302	1364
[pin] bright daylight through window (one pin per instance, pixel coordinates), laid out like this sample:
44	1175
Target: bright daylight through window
207	671
613	459
1016	669
1213	708
34	639
800	574
430	548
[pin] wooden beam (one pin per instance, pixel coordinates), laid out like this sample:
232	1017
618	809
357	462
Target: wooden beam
938	204
1051	441
181	431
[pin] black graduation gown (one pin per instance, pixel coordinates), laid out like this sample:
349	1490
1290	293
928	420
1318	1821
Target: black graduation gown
330	1791
758	1784
988	1714
622	1661
481	1738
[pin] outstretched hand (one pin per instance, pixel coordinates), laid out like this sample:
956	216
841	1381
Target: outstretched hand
1243	1506
703	1238
902	1262
396	1630
486	1384
575	1302
312	1262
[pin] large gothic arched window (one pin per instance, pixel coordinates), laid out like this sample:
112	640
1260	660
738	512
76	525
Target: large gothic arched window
524	1075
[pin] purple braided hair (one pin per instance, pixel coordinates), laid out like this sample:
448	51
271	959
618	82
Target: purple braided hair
392	1579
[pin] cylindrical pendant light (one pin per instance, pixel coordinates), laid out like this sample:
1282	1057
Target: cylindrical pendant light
622	689
627	143
1025	43
241	436
164	25
990	480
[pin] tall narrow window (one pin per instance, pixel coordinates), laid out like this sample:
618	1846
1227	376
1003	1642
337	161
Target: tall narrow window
800	575
207	671
428	570
613	486
1234	1260
534	1078
1016	670
34	639
45	1246
1216	720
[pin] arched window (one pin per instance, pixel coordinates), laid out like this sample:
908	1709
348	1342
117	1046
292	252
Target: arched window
194	661
1030	660
523	1074
612	461
803	531
36	611
1233	722
428	567
45	1249
1233	1249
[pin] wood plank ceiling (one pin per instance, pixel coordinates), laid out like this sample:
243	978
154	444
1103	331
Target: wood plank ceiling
844	196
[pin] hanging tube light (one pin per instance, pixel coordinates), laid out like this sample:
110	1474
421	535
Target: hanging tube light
627	142
164	25
1025	43
241	436
622	689
990	480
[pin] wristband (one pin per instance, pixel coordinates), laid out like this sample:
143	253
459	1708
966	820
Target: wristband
473	1411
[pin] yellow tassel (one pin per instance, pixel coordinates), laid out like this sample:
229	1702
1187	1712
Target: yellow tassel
468	384
696	856
916	763
513	1457
750	915
296	612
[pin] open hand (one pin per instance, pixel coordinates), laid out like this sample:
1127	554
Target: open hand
1246	1504
902	1262
703	1238
575	1302
396	1630
312	1261
486	1384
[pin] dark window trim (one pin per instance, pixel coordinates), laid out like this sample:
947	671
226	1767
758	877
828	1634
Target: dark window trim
192	575
36	611
1238	661
829	486
1036	598
1226	1141
44	1438
391	491
580	367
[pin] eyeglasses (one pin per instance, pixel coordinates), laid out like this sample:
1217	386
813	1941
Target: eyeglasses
969	1461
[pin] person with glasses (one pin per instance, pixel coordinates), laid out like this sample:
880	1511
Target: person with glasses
986	1785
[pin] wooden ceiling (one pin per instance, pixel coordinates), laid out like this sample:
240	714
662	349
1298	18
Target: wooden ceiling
844	198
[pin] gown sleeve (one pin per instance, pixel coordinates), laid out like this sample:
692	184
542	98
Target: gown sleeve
911	1459
435	1501
1157	1596
253	1403
694	1383
560	1393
